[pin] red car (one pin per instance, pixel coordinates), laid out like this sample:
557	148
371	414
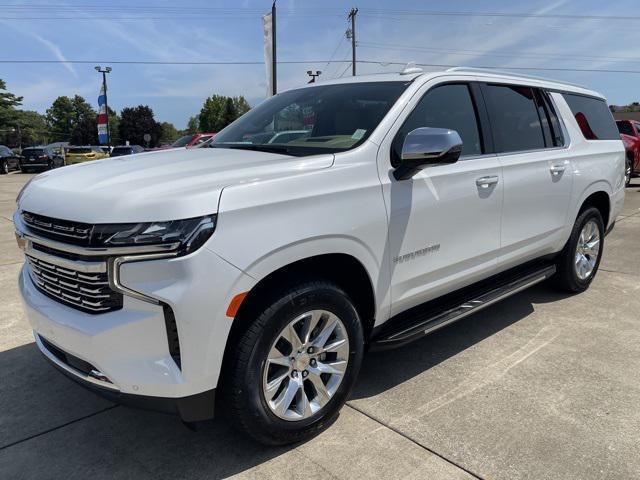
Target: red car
630	135
191	140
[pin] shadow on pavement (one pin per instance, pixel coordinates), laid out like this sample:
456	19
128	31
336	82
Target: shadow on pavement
112	441
384	370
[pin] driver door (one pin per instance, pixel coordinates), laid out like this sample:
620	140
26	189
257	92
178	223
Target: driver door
444	223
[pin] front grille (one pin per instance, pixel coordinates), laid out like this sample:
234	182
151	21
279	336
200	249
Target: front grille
89	292
62	230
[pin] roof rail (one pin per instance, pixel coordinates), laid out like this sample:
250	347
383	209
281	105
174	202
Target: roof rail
507	73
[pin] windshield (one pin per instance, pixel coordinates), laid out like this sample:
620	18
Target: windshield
80	150
307	121
182	141
117	151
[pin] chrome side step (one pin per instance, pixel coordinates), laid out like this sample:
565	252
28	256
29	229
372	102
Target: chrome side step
423	324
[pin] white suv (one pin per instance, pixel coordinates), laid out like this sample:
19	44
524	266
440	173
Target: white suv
262	271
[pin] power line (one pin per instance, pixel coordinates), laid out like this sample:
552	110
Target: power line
435	13
539	55
297	62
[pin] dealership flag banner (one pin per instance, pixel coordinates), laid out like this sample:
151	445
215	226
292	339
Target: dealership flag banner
103	135
268	51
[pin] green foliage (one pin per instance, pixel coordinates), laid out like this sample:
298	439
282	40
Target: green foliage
72	120
219	111
169	133
135	122
8	104
192	126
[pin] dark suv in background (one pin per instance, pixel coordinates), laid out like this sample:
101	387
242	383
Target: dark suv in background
126	150
40	158
8	160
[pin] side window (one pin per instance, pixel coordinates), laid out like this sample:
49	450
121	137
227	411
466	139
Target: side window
448	106
549	120
514	118
637	125
593	116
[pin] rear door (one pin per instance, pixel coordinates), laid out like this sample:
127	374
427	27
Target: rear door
444	223
536	169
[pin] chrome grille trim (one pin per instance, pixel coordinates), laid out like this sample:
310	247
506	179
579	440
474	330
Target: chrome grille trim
89	292
52	226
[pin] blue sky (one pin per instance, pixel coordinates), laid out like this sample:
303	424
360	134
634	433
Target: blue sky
307	30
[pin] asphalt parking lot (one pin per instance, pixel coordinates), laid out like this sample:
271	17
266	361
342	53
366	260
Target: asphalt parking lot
543	385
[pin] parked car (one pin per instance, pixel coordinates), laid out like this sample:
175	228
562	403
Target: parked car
40	158
126	150
192	140
630	134
8	160
260	273
84	154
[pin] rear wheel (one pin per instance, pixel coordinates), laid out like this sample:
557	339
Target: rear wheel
4	167
295	365
579	261
628	171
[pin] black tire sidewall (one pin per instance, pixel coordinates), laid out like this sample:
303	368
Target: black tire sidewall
4	168
569	262
326	296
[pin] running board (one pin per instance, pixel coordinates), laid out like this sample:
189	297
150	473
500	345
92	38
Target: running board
427	322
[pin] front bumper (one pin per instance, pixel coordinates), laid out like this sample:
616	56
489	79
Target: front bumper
194	408
128	348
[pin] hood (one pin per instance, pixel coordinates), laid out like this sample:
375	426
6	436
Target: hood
155	186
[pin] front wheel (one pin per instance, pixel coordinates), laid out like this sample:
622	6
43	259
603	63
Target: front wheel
4	168
295	365
628	171
580	258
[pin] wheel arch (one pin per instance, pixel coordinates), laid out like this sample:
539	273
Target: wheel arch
348	272
599	199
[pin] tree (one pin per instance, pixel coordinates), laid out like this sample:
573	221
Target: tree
8	104
8	112
219	111
135	122
169	133
33	129
72	119
193	126
241	105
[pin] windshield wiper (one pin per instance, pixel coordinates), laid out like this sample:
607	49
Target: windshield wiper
258	147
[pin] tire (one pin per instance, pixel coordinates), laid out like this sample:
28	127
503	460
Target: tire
249	370
628	172
4	168
575	275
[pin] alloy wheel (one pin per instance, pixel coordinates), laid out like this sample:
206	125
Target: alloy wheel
587	250
5	167
627	174
305	365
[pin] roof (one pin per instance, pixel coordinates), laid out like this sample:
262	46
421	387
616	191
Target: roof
473	73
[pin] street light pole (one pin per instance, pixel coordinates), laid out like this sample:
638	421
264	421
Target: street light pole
352	34
104	72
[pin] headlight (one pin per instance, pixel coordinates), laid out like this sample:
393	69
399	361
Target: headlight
190	233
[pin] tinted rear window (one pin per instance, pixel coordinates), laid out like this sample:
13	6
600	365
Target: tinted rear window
79	150
593	117
121	151
514	118
625	127
30	152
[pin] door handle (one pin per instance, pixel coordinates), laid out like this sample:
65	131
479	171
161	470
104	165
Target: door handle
557	169
486	182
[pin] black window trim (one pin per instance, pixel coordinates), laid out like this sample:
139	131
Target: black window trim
483	87
482	119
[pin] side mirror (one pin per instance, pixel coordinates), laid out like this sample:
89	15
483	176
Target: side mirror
426	147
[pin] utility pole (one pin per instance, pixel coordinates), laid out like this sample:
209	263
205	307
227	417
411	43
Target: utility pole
274	85
104	72
351	33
